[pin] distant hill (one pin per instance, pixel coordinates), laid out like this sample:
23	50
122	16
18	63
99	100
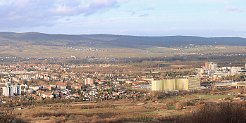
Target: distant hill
109	41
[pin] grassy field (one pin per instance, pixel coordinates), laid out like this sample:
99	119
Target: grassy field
116	111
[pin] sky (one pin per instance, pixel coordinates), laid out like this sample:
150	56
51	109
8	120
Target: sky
207	18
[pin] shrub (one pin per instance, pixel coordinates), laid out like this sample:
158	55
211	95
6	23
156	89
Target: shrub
5	118
217	113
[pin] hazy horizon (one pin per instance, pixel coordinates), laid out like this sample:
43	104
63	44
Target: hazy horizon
210	18
128	35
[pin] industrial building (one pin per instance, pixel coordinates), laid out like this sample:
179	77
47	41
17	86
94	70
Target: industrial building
194	84
175	84
232	84
157	85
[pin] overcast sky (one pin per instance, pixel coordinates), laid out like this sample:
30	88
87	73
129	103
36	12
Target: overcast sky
131	17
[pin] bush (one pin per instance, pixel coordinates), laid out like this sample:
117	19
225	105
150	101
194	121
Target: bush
171	107
217	113
4	118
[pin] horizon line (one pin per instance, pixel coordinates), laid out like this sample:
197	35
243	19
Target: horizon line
77	34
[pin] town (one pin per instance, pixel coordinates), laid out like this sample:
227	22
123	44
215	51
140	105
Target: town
81	82
122	61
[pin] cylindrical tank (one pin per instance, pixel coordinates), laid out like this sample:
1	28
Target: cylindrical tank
157	85
170	83
164	85
182	84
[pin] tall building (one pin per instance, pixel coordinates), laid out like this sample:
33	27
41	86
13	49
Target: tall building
11	90
212	66
17	89
206	65
89	81
175	84
8	90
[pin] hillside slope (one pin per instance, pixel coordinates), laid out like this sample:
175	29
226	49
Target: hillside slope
103	40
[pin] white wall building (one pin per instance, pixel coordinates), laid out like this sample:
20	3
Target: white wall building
212	66
235	70
17	89
8	90
11	89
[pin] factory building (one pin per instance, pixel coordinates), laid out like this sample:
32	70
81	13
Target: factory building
194	84
169	84
175	84
240	84
181	84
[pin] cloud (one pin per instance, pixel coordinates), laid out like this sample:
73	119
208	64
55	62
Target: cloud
143	15
234	9
25	13
143	12
102	3
97	5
